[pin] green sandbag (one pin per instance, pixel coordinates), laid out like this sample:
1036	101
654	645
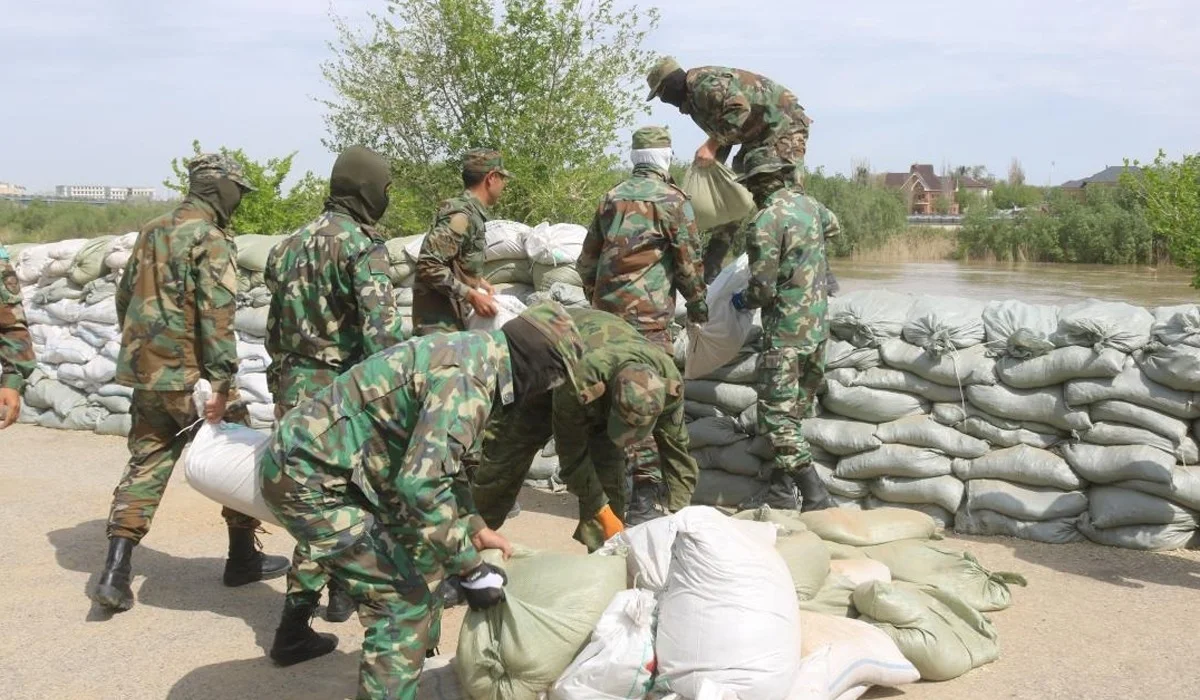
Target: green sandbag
805	554
545	276
253	250
937	631
717	198
862	528
509	272
89	261
833	598
929	564
516	650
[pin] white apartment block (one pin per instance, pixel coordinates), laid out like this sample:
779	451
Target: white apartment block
9	189
103	192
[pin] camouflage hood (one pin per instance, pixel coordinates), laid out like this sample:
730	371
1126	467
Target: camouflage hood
545	348
358	185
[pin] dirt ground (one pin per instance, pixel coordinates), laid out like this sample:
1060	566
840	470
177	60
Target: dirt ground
1094	622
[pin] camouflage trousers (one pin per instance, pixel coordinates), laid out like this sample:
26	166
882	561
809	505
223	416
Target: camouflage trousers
371	563
787	388
159	432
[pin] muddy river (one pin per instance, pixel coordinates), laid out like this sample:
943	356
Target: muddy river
1040	283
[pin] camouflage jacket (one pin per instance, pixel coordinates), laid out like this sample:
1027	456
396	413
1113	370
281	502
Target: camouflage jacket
17	361
788	270
641	247
389	436
176	302
582	410
331	305
737	106
450	265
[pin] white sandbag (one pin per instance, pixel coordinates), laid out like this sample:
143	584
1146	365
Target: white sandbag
1153	538
716	196
894	460
222	462
1059	366
1001	319
111	349
99	371
941	517
844	656
67	310
619	659
741	370
115	390
252	357
104	311
112	404
557	244
719	488
72	375
987	522
713	432
52	394
871	405
899	380
734	459
1112	506
1104	324
1021	464
1001	437
38	316
1024	502
840	354
840	436
97	334
869	318
940	325
1036	405
729	611
922	431
1103	465
505	240
730	398
543	468
847	488
1174	366
71	350
1132	386
717	342
1184	488
48	335
118	424
1177	325
1105	433
951	367
82	417
30	264
253	387
252	321
944	491
403	296
507	308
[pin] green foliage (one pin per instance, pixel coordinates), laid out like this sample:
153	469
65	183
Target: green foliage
1006	195
43	222
1170	192
547	82
941	205
267	209
970	200
868	215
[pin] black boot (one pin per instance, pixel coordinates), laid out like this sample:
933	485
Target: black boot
341	606
643	503
813	493
295	639
112	589
247	563
780	494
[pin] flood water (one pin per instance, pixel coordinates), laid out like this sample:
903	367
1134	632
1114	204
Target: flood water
1036	283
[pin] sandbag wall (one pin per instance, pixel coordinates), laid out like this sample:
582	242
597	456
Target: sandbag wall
1048	423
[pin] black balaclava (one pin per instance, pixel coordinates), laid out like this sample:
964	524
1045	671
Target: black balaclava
673	89
222	194
767	184
358	185
537	366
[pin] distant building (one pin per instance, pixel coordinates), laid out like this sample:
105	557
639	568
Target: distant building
1109	177
103	192
11	190
924	187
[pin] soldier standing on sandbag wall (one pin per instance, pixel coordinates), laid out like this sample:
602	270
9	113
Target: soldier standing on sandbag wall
17	360
450	280
639	249
175	305
734	107
627	390
332	306
367	477
785	245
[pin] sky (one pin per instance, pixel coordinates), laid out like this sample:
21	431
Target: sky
107	93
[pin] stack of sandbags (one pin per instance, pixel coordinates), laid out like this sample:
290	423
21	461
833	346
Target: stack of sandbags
553	249
250	324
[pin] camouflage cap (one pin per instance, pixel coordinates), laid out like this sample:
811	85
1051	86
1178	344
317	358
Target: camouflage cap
214	166
551	319
664	67
638	397
484	161
652	137
762	160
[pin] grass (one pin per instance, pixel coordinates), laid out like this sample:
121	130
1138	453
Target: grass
912	244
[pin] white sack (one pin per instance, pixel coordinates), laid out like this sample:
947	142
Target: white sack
941	325
505	240
508	308
718	341
869	318
557	244
1104	324
1001	319
1177	325
618	662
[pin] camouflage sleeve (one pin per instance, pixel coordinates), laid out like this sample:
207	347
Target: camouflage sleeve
575	465
726	106
125	289
17	361
762	249
679	469
382	325
215	267
439	250
454	411
685	246
588	263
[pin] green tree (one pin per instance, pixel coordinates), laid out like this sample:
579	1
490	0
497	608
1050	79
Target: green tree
268	209
548	82
868	215
1170	192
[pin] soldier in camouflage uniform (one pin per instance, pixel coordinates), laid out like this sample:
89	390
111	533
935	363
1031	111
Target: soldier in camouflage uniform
627	389
641	247
332	306
786	248
734	107
16	346
450	280
366	476
175	304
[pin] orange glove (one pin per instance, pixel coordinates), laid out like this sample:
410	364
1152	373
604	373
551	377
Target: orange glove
609	521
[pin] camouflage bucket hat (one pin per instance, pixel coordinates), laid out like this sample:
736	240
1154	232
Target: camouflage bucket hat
484	161
651	137
638	397
214	166
763	160
664	67
551	319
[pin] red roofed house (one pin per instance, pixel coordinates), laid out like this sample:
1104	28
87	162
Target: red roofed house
923	187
